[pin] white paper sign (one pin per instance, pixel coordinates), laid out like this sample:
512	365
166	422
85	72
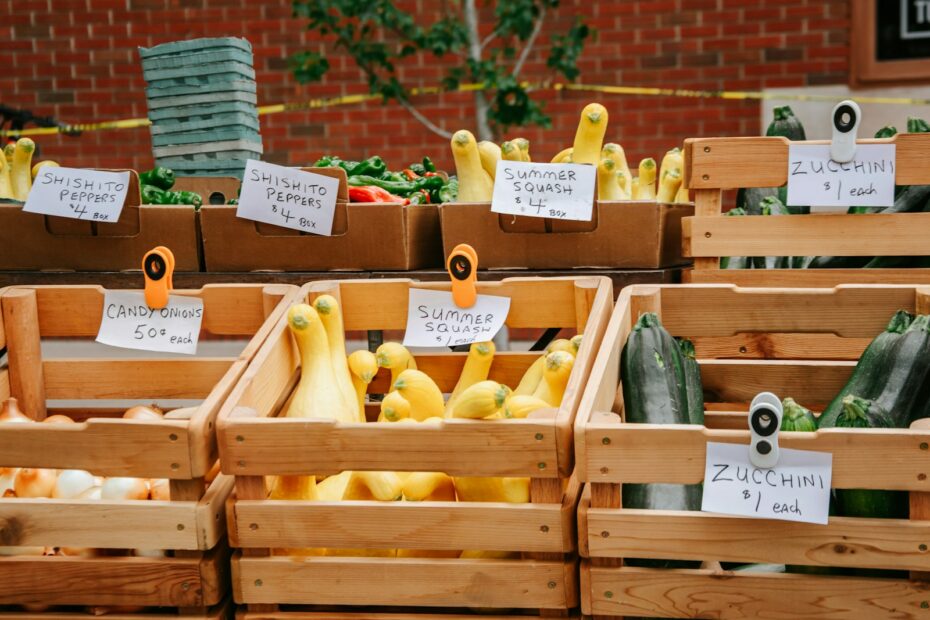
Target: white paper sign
797	489
129	323
433	319
288	197
558	191
77	193
817	181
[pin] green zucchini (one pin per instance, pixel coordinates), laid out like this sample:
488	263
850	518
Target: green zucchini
862	413
839	262
654	392
868	372
786	124
772	206
888	131
797	418
736	262
693	386
905	374
751	198
917	125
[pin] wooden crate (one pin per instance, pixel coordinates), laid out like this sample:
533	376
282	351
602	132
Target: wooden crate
182	448
254	443
718	164
794	342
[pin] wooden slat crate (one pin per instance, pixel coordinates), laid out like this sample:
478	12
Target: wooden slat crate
254	443
794	342
718	164
193	578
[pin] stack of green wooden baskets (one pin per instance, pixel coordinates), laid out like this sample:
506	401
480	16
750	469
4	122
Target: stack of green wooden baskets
202	104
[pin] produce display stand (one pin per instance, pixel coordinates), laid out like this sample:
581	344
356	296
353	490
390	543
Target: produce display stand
193	579
254	443
797	342
366	236
34	242
625	235
718	164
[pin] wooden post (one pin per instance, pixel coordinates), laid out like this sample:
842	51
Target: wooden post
24	346
707	202
920	502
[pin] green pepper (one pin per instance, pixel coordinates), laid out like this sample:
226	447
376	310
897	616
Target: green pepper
324	162
418	169
190	198
429	183
152	195
449	191
398	188
233	201
428	164
160	177
395	177
372	167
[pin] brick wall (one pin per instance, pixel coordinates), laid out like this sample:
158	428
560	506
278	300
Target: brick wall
79	64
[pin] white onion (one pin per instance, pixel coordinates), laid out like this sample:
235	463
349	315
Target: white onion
124	488
72	483
10	412
7	475
160	490
30	482
91	493
58	419
143	412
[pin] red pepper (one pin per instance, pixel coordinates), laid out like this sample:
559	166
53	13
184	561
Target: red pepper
411	174
425	193
372	193
431	174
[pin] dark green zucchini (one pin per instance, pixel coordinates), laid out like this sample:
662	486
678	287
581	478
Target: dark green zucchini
772	206
905	374
888	131
736	262
654	392
786	125
751	198
862	413
917	125
869	371
693	384
797	418
839	262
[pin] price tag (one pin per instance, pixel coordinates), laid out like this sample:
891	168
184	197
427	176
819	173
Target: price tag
797	489
288	197
77	193
817	181
557	191
433	319
130	324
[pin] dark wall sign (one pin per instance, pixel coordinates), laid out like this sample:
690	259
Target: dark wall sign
890	41
903	29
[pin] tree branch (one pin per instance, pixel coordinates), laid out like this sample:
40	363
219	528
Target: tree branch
474	52
525	52
436	129
487	40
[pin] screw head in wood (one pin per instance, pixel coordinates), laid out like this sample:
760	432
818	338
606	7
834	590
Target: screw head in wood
258	582
603	470
173	437
924	446
706	177
240	438
922	547
544	528
921	476
606	441
551	585
175	466
707	149
240	463
541	465
180	527
743	349
708	234
608	594
539	436
186	586
605	534
925	604
253	526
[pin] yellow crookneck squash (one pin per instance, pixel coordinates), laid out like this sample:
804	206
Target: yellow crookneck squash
364	366
476	369
422	393
331	315
396	358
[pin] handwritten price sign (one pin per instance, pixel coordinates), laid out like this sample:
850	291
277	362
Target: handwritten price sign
78	194
130	324
817	181
557	191
433	319
796	489
288	197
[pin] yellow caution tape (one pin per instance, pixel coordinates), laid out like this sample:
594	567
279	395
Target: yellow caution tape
134	123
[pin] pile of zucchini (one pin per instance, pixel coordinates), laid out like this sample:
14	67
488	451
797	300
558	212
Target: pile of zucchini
889	388
772	201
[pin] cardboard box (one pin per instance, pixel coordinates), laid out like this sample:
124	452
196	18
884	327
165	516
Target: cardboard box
626	235
34	242
213	190
366	236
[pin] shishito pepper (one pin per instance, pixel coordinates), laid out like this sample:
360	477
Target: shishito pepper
159	176
400	188
183	198
152	195
450	191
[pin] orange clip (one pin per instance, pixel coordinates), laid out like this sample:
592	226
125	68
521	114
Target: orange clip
158	269
463	269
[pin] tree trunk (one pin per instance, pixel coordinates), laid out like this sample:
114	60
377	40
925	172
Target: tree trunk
474	52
